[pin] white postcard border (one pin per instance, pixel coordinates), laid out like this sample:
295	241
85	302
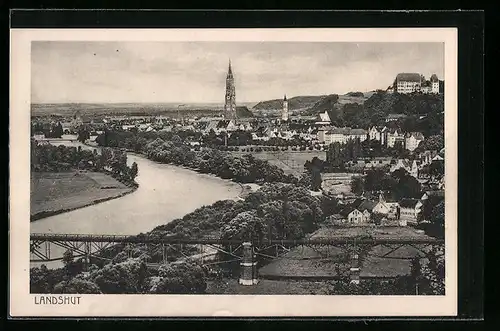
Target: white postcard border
22	303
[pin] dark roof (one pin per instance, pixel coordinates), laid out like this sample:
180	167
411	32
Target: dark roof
346	211
408	77
222	124
367	205
434	78
408	203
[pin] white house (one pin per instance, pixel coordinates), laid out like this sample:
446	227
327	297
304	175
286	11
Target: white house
409	210
342	135
412	140
374	133
353	216
389	209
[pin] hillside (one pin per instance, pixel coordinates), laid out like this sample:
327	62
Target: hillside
295	103
313	104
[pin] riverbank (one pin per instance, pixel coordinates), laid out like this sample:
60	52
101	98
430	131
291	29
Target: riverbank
57	193
245	188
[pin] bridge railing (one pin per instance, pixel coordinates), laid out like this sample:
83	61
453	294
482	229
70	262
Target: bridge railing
217	241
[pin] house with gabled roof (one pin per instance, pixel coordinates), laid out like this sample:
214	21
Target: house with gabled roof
353	215
410	166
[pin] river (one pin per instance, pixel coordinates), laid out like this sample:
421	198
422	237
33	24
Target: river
165	192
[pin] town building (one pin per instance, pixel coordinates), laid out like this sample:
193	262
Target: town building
409	210
412	140
353	215
389	209
374	133
410	167
284	110
394	136
230	99
434	84
343	135
323	120
408	83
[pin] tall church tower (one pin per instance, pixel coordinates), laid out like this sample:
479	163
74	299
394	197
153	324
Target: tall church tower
230	100
284	110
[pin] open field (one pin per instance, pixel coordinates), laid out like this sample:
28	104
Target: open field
55	193
98	109
291	162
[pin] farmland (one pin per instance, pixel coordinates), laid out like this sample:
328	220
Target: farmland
54	193
291	162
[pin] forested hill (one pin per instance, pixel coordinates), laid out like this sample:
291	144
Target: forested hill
408	104
300	102
425	111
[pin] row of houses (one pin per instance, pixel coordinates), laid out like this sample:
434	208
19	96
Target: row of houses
390	137
404	212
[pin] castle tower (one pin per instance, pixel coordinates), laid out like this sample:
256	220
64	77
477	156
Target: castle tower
284	110
230	100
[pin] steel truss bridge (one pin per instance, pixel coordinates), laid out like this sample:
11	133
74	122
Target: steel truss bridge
88	245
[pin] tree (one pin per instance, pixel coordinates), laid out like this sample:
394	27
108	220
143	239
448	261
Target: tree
122	278
83	134
357	185
182	278
133	171
77	286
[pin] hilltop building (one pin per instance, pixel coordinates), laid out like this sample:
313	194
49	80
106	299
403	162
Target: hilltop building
230	99
414	82
408	83
284	110
434	84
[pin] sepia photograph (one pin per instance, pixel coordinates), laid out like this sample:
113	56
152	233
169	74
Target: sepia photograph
299	166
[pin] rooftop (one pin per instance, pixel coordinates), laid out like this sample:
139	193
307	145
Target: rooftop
408	77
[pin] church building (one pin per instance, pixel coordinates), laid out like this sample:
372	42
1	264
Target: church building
284	110
230	99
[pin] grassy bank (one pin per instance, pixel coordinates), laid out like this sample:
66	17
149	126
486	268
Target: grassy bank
56	193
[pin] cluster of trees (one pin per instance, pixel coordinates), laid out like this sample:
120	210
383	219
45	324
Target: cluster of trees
50	158
131	276
426	277
244	169
424	111
49	130
432	143
399	184
314	169
431	217
276	210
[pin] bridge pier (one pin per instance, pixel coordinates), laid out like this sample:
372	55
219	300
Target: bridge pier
355	270
248	266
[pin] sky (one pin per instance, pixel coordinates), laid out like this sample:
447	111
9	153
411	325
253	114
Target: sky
195	72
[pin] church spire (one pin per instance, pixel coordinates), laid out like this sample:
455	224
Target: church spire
230	72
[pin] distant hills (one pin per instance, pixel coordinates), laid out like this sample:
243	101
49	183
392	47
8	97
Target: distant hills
295	103
313	104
